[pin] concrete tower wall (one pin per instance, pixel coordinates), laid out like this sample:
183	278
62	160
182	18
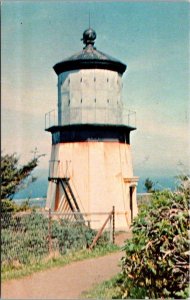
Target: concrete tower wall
100	174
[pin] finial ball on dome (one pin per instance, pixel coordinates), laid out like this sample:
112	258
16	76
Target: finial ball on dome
89	36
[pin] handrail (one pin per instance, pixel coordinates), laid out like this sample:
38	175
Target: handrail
89	115
51	119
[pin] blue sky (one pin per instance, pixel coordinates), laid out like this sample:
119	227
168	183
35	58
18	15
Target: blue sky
152	38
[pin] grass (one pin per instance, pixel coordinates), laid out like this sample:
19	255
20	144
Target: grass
56	260
105	290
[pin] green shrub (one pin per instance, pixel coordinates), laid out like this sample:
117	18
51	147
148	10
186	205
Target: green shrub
25	236
8	206
68	236
156	261
74	236
24	206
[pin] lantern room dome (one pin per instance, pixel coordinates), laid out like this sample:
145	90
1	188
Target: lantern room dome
89	58
89	36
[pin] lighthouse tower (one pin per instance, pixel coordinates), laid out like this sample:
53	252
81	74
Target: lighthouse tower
90	168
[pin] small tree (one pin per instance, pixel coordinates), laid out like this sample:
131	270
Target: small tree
14	176
148	185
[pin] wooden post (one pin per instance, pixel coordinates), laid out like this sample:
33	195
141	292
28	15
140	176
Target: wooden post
100	231
49	232
113	222
111	217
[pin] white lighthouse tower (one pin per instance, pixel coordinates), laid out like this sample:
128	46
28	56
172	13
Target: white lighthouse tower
91	166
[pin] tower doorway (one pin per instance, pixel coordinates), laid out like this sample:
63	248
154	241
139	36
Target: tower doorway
131	190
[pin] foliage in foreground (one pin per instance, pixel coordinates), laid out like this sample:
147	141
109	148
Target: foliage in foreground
156	261
8	206
25	238
13	176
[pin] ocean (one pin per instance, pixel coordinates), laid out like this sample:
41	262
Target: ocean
38	189
32	202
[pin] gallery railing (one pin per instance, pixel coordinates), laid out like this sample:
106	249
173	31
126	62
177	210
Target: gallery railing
89	115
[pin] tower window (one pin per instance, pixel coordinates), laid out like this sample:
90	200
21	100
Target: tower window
69	102
108	100
69	81
94	79
107	79
81	100
81	79
95	100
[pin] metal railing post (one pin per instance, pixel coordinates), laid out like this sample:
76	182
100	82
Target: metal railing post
49	231
111	218
49	169
113	223
129	118
135	119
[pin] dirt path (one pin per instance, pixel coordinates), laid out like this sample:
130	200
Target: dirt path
66	282
63	283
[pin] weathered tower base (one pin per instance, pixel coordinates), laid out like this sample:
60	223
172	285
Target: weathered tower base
99	174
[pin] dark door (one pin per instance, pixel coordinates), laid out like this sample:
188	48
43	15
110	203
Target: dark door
131	201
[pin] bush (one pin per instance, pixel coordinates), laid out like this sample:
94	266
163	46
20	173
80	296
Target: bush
156	261
13	176
69	235
8	206
24	237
